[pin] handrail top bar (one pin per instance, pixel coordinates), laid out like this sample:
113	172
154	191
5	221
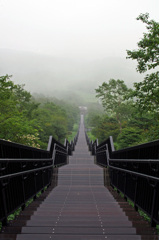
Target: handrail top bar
56	141
136	173
134	160
25	159
110	138
104	145
8	176
148	144
60	147
38	150
140	146
61	152
100	151
19	145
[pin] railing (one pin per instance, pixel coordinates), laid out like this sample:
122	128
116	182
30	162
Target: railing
89	142
133	171
25	171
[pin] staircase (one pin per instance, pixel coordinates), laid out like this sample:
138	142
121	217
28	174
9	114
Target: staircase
81	207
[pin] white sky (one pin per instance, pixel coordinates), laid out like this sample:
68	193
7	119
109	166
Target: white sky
88	29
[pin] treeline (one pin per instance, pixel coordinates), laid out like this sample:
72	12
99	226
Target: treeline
30	120
134	128
132	115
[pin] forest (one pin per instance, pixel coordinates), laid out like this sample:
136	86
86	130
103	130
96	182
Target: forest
125	123
30	120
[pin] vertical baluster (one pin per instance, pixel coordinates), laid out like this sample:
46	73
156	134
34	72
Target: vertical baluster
136	190
153	224
4	222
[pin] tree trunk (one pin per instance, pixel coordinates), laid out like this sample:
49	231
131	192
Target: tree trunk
120	126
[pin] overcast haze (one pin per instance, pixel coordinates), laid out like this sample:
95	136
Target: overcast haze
85	31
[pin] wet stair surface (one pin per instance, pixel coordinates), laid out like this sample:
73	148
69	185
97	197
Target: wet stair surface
80	207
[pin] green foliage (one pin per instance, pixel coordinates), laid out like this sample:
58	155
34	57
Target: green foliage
137	128
152	133
147	93
24	120
143	121
18	129
73	133
91	136
137	119
144	215
92	119
107	126
14	125
18	211
52	119
112	95
75	127
56	120
12	216
147	56
129	137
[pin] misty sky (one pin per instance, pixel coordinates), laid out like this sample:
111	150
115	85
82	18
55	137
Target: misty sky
87	29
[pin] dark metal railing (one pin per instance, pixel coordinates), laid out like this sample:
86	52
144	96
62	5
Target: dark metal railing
133	171
19	185
89	142
25	171
69	147
15	150
94	147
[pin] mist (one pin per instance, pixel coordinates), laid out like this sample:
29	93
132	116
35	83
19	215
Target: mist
65	48
60	77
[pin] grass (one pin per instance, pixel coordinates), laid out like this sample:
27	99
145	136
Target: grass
17	212
73	132
143	214
71	136
91	136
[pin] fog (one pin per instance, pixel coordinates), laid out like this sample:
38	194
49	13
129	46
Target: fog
59	47
50	75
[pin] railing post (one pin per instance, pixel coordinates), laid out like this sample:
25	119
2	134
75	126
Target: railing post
4	222
54	154
67	155
43	172
107	155
65	142
35	174
124	174
23	178
96	144
153	224
136	186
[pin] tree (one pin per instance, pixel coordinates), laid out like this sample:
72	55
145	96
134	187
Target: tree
129	137
147	56
112	97
14	125
92	118
24	120
106	126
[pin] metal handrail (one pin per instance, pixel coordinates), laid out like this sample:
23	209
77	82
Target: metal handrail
136	173
24	171
131	180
